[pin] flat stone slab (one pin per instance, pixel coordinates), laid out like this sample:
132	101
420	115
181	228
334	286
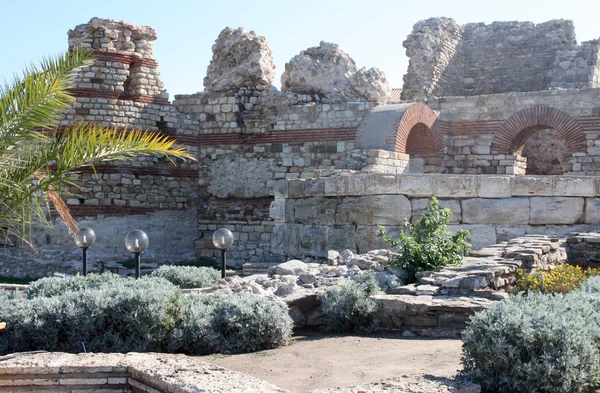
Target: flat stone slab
169	373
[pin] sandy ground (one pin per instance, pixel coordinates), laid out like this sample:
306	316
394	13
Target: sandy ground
316	361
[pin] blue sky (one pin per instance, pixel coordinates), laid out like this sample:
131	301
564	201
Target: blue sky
370	31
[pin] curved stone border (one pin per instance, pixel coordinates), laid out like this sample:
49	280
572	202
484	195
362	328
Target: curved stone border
110	373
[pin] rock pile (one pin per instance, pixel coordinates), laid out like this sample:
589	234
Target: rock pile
328	71
240	59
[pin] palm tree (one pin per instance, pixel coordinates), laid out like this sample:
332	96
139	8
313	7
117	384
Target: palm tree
35	156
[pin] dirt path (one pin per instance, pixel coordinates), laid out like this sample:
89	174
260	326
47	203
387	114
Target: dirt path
316	361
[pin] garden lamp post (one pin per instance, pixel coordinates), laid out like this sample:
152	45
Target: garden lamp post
223	239
85	239
136	242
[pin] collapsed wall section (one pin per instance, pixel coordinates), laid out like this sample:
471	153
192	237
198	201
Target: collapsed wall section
476	59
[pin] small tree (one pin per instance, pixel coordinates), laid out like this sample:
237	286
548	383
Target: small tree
429	246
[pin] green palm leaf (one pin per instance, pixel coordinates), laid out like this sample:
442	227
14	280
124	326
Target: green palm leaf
36	157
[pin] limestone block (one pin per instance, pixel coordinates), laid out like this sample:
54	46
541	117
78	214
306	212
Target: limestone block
315	187
481	235
592	211
379	183
277	210
356	185
419	205
556	210
374	210
293	267
367	239
574	186
280	189
320	211
495	211
295	188
416	185
341	237
495	186
455	186
336	185
532	185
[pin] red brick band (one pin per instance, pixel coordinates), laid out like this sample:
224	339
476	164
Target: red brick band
124	58
111	94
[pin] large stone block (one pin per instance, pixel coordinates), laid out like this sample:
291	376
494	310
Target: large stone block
416	185
504	234
336	185
495	186
316	211
481	235
532	185
374	210
556	210
496	211
574	186
277	210
592	211
419	205
379	183
455	186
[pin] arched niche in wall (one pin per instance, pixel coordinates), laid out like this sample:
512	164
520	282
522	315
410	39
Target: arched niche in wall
545	150
403	128
516	131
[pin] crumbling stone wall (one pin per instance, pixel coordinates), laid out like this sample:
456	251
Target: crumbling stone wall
250	138
475	59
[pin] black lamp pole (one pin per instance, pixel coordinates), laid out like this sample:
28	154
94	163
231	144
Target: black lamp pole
137	264
223	262
85	266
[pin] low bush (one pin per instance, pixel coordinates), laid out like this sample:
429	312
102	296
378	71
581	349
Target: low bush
149	314
188	276
54	286
429	246
232	323
537	343
119	316
561	279
347	307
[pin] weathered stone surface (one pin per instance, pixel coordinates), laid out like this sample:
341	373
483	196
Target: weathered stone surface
416	186
240	59
495	186
455	186
374	210
419	206
556	210
327	71
481	235
532	185
316	211
291	267
409	384
574	186
592	211
495	211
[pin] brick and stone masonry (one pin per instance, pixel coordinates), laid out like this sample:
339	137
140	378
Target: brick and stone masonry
249	137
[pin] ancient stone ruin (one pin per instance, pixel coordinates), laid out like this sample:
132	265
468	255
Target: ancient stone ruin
318	165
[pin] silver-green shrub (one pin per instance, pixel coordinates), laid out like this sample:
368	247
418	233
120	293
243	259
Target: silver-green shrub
149	314
347	307
231	323
536	343
54	286
188	276
119	316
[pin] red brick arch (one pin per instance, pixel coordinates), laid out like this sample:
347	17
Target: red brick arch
418	115
516	129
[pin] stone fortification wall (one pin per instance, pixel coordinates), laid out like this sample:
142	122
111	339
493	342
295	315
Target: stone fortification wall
343	212
474	59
